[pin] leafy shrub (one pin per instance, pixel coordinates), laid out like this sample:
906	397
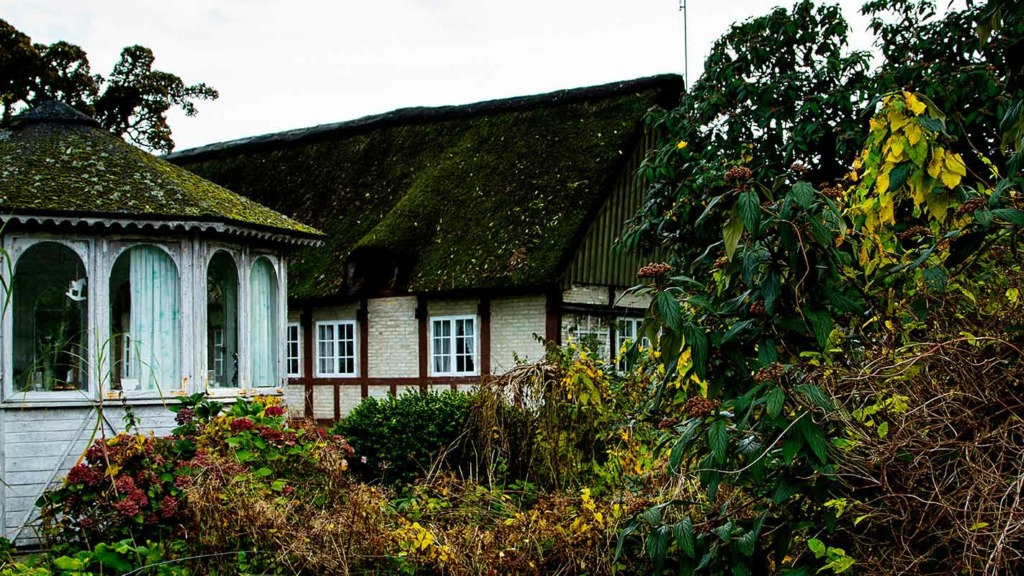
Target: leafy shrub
402	437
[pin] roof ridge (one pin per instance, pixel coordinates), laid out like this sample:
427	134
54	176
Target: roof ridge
426	114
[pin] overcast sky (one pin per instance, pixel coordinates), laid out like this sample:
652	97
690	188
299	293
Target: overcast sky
290	64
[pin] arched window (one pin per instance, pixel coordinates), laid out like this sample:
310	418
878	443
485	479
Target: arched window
50	314
222	321
145	321
263	324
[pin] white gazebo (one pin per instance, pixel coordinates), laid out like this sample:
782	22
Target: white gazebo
127	282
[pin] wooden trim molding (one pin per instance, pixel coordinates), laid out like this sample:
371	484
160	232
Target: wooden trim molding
363	317
484	312
421	318
306	323
553	321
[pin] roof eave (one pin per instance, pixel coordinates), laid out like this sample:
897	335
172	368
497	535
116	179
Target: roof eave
123	223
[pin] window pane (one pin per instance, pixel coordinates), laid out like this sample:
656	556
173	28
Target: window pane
222	320
50	308
263	324
145	321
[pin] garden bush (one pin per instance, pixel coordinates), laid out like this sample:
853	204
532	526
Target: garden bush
399	439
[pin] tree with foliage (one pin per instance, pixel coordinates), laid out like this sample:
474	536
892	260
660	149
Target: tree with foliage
822	220
131	102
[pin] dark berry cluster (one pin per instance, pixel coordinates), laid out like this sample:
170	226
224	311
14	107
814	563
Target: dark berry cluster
699	406
971	205
770	373
654	270
914	232
738	175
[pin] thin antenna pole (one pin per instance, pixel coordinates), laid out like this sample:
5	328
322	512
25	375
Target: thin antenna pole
686	47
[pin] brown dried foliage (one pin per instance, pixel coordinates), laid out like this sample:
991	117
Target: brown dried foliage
941	492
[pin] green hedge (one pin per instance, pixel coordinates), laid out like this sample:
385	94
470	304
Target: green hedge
398	439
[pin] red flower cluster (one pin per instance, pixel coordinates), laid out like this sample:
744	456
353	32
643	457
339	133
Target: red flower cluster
273	411
83	474
270	435
242	424
134	501
169	506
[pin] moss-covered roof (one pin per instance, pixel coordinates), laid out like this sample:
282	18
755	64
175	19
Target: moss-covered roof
57	161
489	195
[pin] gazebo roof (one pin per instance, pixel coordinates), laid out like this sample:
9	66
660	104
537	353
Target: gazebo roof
57	164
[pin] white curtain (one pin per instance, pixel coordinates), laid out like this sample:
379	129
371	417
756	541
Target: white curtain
155	325
263	330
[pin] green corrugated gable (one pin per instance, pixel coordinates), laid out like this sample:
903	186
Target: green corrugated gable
493	195
69	166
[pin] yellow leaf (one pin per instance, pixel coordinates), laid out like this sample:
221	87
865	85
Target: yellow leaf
955	164
917	188
938	204
1013	295
913	132
915	105
950	179
883	183
886	209
896	145
935	165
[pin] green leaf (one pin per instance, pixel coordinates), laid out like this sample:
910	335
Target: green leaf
264	471
1015	217
841	301
766	352
750	211
821	324
724	532
815	396
732	231
900	174
775	400
815	438
771	288
69	564
697	340
935	279
790	447
735	330
657	545
746	543
707	211
784	489
669	310
803	194
684	537
932	124
718	439
817	547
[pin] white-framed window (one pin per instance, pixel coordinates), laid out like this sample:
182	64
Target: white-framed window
453	346
264	326
145	321
293	350
336	349
222	321
50	308
625	334
588	332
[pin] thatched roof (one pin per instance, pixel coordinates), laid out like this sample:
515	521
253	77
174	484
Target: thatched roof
56	164
490	195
